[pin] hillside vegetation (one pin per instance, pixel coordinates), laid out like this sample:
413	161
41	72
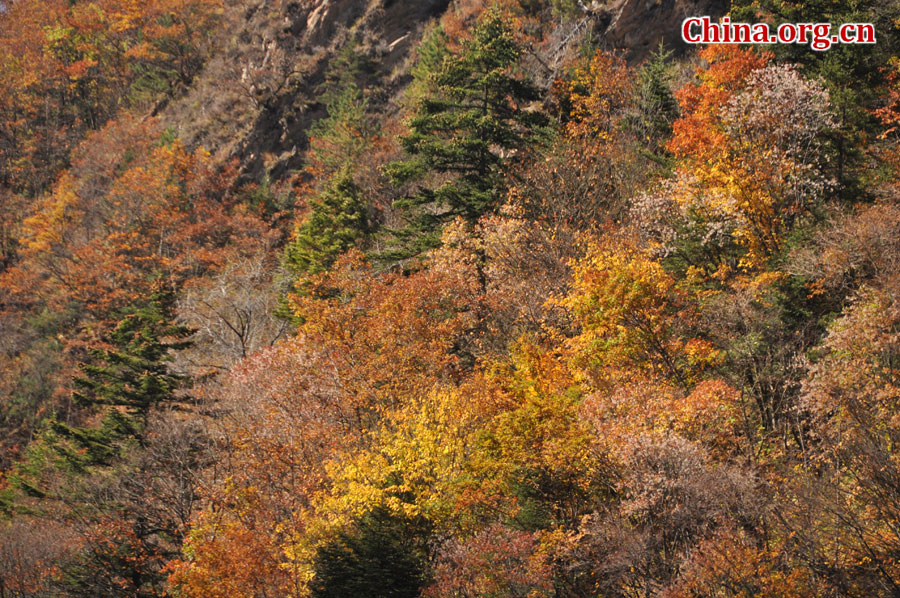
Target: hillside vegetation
446	298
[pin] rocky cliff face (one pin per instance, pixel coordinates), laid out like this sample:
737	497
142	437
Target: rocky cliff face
257	95
638	26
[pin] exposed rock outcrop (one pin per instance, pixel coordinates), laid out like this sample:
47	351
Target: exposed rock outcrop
256	97
637	26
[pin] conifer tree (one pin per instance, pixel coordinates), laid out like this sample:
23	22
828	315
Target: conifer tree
475	115
340	138
93	475
338	215
429	56
337	221
656	102
134	371
381	556
130	377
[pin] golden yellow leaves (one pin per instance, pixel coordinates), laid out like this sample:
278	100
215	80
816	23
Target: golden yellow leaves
415	465
635	319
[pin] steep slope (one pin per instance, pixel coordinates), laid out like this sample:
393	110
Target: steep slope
257	96
640	25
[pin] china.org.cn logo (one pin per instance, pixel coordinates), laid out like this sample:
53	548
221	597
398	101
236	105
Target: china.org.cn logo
819	36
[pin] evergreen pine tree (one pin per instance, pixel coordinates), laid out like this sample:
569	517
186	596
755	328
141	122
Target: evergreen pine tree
81	470
475	114
337	221
349	66
340	138
656	102
338	216
134	371
129	378
429	56
380	556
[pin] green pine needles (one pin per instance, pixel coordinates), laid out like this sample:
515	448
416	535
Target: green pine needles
474	114
127	379
134	372
337	221
125	382
338	217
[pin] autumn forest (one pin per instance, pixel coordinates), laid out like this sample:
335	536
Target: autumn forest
446	299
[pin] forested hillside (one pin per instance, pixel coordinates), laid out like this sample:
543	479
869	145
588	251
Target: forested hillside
446	299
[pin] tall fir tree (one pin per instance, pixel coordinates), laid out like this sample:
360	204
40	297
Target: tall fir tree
338	215
337	221
340	138
657	105
129	378
134	372
97	478
380	556
475	114
429	56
